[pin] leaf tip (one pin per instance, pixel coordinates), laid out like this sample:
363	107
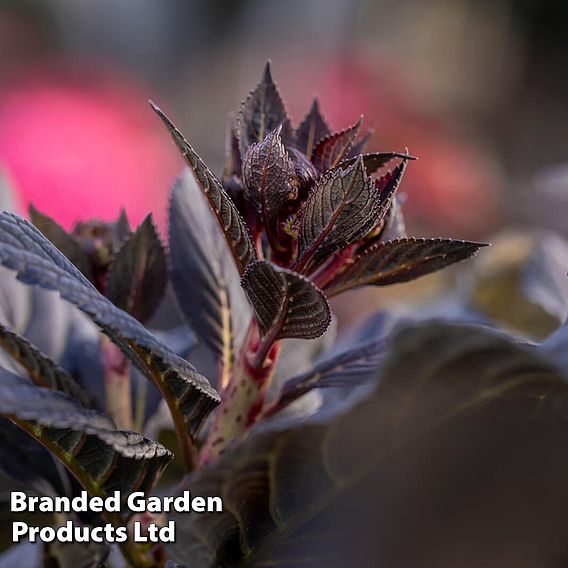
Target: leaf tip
267	72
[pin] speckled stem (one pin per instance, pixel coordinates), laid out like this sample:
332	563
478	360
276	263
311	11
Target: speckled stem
117	384
244	397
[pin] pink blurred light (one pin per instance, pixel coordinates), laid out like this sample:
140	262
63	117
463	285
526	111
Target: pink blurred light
85	145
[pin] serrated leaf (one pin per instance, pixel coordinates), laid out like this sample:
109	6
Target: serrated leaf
138	275
330	150
233	162
342	208
42	370
62	240
262	111
205	280
267	173
447	395
232	224
304	171
400	261
285	303
121	231
25	250
102	458
26	461
375	161
359	145
311	130
350	368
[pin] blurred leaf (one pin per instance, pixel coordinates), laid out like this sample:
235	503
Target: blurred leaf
24	249
298	356
267	172
463	384
285	302
204	278
555	347
138	275
349	368
330	150
121	231
342	208
311	130
62	240
7	193
42	370
500	281
262	111
395	226
544	278
400	261
232	224
102	458
25	553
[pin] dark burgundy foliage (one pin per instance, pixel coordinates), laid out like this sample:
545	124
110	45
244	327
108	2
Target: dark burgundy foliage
294	435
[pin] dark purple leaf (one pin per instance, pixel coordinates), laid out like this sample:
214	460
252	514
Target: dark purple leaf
458	406
62	240
342	208
232	224
285	303
261	112
102	458
329	151
359	145
377	160
205	280
120	231
233	162
41	369
267	173
311	130
400	261
349	368
25	250
138	273
305	172
26	461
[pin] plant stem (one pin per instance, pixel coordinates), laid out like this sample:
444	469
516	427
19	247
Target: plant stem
243	400
117	384
140	406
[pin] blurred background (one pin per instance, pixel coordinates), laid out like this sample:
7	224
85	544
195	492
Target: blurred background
474	89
